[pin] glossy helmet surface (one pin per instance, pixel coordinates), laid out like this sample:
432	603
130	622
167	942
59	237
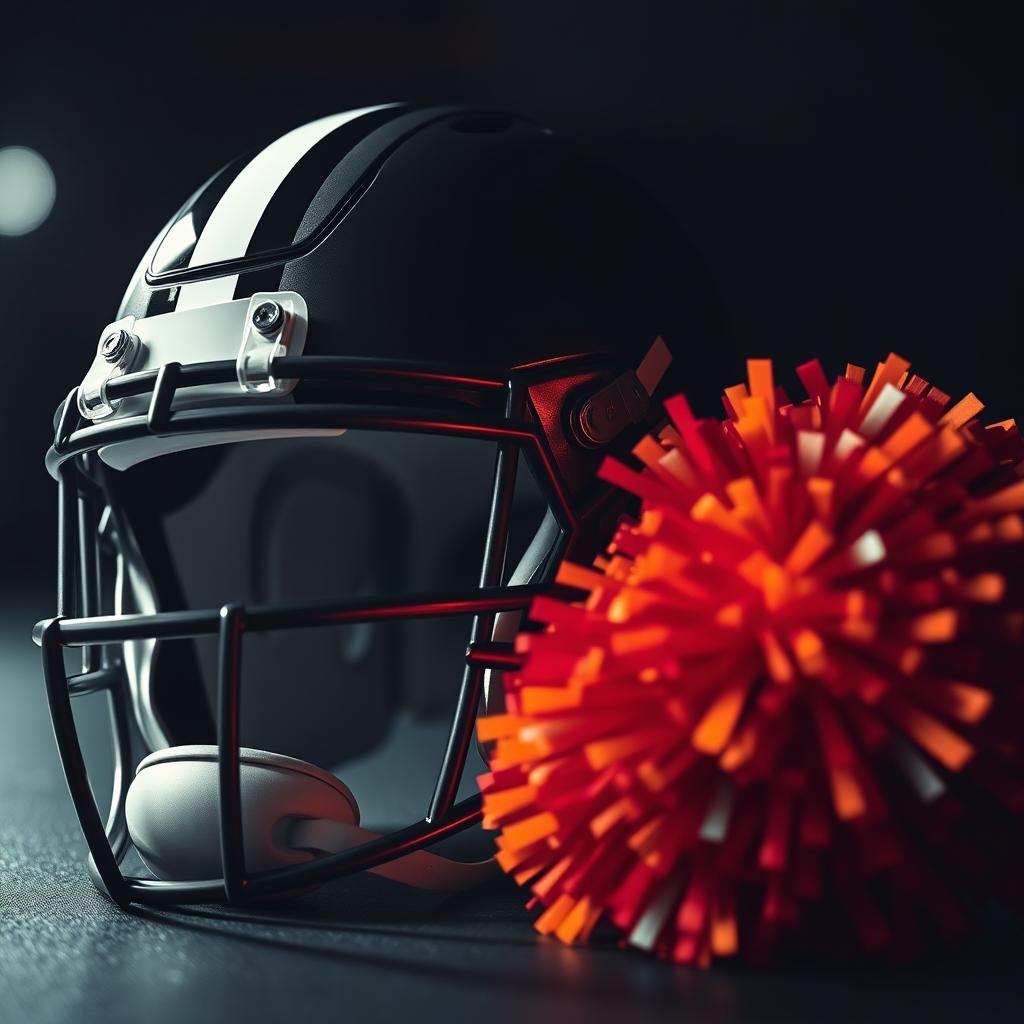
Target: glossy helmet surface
429	273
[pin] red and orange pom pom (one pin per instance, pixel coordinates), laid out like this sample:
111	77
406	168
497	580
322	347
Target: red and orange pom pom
792	701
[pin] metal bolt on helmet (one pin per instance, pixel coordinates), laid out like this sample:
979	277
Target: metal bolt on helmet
267	317
115	345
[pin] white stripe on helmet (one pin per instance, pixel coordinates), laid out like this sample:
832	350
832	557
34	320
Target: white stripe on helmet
234	219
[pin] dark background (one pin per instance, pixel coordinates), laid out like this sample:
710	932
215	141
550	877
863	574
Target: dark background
848	172
849	175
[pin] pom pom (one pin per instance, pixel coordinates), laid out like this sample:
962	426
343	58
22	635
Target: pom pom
790	704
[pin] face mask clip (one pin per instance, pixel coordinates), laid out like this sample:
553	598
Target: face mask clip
117	353
253	332
274	326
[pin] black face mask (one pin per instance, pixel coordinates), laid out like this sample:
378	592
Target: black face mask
308	520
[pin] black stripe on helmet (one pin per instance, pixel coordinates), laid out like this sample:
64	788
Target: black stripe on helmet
340	187
279	224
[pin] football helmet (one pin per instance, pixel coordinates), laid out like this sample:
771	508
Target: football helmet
423	282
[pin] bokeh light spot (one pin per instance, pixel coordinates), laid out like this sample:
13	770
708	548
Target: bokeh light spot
27	190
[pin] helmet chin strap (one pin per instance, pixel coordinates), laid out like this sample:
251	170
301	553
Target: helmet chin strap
420	869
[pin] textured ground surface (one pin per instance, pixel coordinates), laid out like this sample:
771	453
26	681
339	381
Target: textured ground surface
360	951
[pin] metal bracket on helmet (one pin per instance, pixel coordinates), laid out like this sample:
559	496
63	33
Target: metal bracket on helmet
275	325
117	353
602	417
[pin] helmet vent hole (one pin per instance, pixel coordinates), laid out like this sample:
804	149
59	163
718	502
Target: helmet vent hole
483	123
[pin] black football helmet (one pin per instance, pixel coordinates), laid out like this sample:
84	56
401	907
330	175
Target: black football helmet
438	285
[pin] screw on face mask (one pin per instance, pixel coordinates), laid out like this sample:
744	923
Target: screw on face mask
114	346
117	353
274	326
118	347
267	317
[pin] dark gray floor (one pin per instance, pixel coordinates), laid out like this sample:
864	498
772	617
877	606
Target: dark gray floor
362	952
